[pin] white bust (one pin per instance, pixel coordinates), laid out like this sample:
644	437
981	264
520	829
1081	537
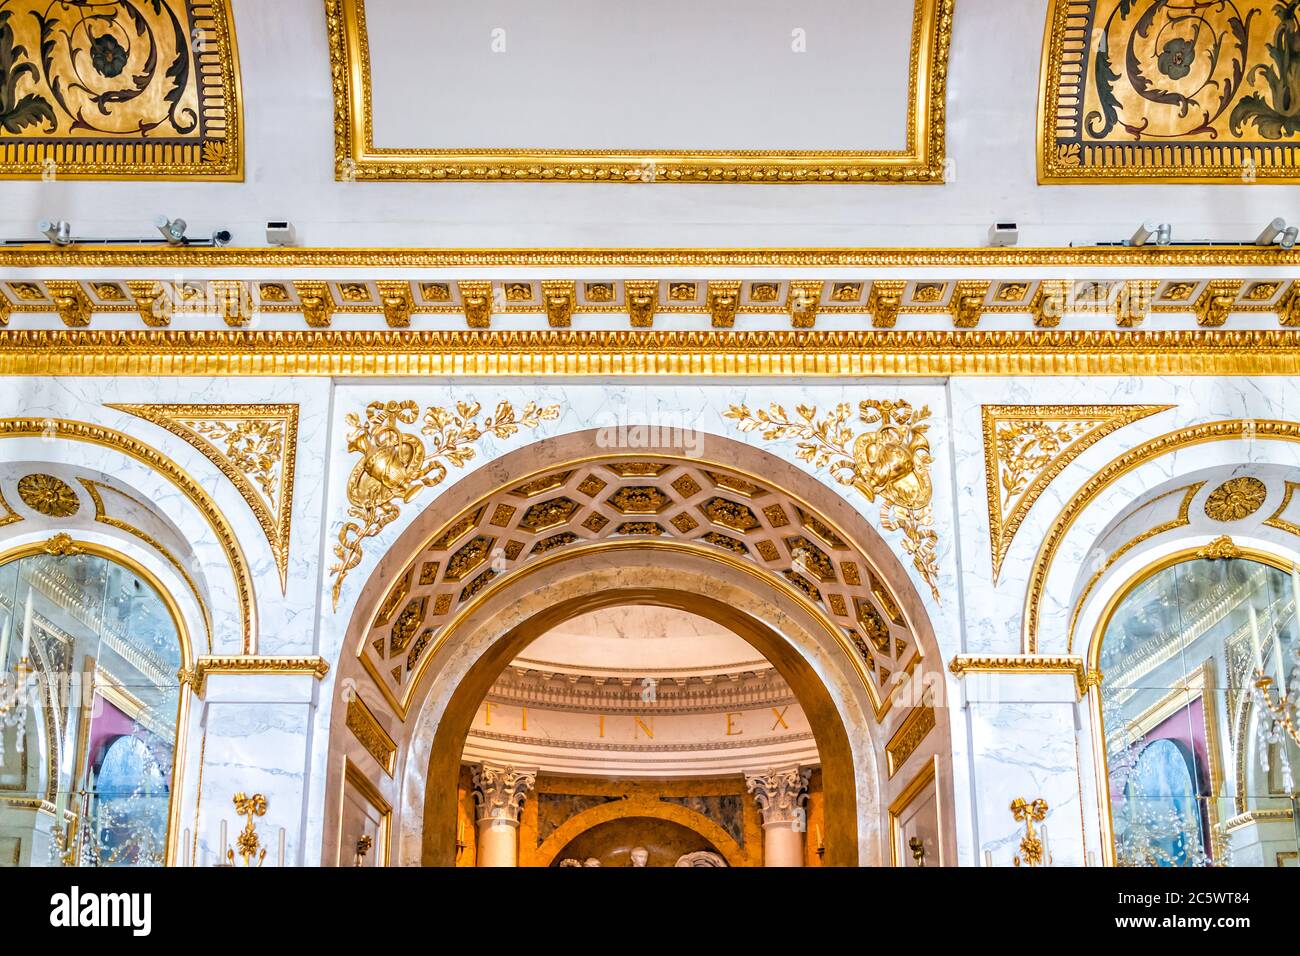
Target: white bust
640	856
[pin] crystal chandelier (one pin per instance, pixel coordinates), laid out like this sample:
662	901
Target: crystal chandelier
13	688
1278	713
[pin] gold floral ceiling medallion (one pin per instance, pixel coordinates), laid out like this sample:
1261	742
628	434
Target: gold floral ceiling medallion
48	495
1235	499
397	465
890	461
922	161
119	90
1141	90
254	446
1027	446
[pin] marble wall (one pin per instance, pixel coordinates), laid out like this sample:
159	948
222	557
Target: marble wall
1017	735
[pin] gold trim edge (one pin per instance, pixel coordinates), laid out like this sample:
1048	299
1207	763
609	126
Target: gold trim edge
964	664
91	352
43	255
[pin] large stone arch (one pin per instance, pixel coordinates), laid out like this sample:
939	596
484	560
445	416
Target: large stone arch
421	650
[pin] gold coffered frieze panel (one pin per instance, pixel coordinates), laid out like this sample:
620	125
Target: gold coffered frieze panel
796	302
119	91
359	95
1145	90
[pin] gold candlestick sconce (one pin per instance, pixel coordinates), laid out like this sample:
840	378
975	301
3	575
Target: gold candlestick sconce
1033	848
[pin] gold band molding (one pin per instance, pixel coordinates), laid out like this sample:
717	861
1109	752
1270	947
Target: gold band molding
645	353
150	457
43	255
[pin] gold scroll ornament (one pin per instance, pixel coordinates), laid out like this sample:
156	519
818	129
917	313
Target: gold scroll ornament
890	461
397	465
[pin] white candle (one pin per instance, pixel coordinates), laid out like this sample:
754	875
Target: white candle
279	857
4	643
221	843
185	848
988	857
1254	638
1047	854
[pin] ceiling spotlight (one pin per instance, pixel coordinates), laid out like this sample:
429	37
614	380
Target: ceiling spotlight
1152	233
1288	238
57	231
173	230
1272	232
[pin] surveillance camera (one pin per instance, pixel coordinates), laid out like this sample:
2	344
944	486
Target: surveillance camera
1004	234
221	237
280	233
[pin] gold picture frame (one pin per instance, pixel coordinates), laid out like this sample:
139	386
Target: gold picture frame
357	157
162	102
1132	94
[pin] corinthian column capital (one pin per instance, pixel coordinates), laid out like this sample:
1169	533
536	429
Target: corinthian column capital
781	795
499	792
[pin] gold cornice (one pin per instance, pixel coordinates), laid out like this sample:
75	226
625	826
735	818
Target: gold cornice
357	157
316	667
893	353
964	664
44	255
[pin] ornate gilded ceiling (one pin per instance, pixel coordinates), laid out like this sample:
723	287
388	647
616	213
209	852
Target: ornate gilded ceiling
119	90
632	499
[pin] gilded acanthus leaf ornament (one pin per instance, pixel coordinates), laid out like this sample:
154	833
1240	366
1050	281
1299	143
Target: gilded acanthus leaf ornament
397	465
254	446
889	461
1026	446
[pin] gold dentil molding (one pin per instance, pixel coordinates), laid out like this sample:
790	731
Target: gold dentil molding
44	255
964	664
206	665
640	353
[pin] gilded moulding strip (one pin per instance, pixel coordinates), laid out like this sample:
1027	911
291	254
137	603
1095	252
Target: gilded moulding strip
357	157
964	664
316	667
151	458
45	255
646	353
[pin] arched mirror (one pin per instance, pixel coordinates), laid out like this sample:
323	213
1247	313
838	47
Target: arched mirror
1197	773
89	742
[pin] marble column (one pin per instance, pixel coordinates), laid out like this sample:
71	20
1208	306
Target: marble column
782	798
499	794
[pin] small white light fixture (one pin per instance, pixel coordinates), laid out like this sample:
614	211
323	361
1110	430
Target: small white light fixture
280	233
1288	238
58	231
1004	234
173	230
